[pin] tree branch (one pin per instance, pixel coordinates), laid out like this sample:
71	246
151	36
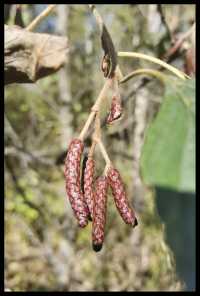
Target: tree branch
31	56
163	19
172	50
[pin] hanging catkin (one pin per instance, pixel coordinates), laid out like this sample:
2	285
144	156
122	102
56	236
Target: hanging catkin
73	186
121	201
99	212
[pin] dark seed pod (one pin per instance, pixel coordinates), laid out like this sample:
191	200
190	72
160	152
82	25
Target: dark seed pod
120	197
115	110
85	158
73	186
88	185
99	213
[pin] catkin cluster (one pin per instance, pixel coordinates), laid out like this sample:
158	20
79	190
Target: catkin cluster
89	201
87	195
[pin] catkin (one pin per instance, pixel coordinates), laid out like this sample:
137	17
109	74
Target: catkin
73	186
121	201
99	212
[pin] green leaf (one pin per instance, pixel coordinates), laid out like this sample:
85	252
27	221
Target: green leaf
168	156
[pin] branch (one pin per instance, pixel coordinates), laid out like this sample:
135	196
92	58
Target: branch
40	17
160	76
104	153
154	60
172	50
31	56
163	19
95	108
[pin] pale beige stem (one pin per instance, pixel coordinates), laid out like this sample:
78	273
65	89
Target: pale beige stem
154	60
97	16
106	169
160	76
118	73
95	108
104	153
92	148
97	131
40	17
96	135
102	95
87	125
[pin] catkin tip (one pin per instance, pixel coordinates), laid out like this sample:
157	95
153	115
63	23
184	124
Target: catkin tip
83	224
97	248
135	223
89	217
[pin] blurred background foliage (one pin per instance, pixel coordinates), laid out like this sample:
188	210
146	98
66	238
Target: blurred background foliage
44	249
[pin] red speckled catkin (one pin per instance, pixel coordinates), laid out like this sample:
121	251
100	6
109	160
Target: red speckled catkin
99	212
73	186
120	198
88	185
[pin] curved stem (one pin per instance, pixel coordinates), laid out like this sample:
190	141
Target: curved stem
104	153
160	76
153	60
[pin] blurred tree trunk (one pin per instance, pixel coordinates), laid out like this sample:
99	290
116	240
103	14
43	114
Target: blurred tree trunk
64	82
61	269
140	114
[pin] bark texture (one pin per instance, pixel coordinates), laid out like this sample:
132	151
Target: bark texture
30	56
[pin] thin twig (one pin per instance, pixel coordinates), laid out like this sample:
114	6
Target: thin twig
104	153
97	128
179	42
163	19
40	17
95	108
154	60
92	148
160	76
118	73
97	16
96	135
